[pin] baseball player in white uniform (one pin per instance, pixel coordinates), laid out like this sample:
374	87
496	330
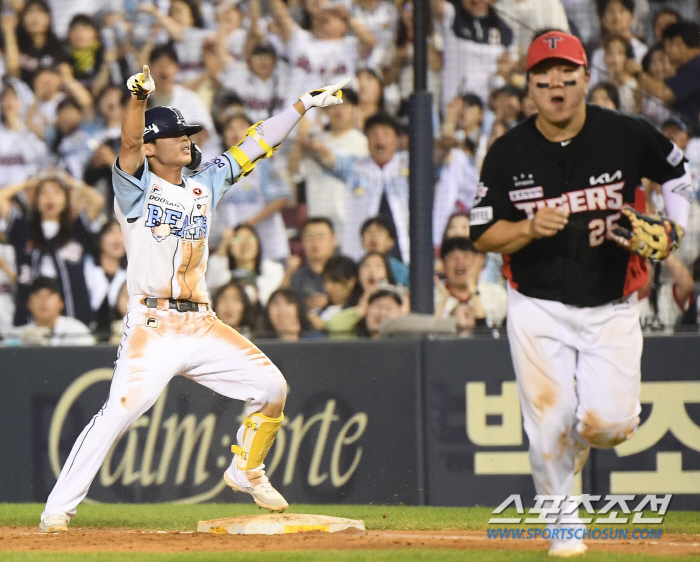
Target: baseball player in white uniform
170	328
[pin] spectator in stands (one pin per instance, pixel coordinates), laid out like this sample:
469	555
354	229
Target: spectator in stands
605	95
239	257
164	69
463	120
111	106
479	49
105	273
617	51
682	90
340	281
616	18
185	28
666	302
22	153
463	264
506	105
326	194
386	303
457	226
328	52
30	43
399	73
378	236
285	316
370	94
230	35
377	185
380	18
233	307
318	242
8	280
525	17
72	144
53	239
257	199
661	20
656	64
374	271
48	326
88	58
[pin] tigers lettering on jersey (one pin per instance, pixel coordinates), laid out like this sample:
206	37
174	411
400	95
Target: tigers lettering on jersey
598	198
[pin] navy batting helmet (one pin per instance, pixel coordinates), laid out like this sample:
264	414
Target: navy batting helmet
166	121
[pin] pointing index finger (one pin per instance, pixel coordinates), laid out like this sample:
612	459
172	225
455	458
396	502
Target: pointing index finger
146	72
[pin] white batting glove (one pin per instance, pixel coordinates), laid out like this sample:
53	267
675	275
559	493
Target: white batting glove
323	97
141	85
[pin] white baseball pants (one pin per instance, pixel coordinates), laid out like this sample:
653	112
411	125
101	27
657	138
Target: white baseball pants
157	345
578	372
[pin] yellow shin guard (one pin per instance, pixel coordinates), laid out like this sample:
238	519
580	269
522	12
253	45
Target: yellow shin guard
258	437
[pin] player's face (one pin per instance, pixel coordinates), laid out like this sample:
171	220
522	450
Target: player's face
381	309
318	241
372	271
170	151
558	89
244	246
377	239
51	200
230	307
284	317
45	306
382	141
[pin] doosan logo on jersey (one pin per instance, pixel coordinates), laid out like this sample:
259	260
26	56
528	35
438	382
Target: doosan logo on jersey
605	178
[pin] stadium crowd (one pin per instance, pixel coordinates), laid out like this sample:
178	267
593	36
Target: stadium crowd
315	242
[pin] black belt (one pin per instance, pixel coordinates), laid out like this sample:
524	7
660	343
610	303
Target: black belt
179	305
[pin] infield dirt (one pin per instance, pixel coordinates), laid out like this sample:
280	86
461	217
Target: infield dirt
77	539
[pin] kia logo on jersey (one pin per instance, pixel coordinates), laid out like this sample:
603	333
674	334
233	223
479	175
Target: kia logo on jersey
605	178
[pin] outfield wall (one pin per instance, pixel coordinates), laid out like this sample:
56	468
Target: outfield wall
412	421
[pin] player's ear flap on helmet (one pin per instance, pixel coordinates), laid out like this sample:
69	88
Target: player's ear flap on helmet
196	157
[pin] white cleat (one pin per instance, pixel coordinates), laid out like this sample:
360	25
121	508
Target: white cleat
54	523
567	549
264	494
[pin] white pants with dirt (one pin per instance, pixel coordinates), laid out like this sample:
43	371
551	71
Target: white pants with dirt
157	345
578	372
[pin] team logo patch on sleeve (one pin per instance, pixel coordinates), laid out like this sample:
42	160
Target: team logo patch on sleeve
481	215
676	155
481	191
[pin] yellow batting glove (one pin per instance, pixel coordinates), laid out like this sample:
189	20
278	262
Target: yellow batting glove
141	85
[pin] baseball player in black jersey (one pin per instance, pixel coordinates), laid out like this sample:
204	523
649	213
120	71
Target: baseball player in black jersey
560	197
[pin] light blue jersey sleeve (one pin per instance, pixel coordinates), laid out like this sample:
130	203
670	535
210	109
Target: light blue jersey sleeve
219	175
129	190
343	167
271	184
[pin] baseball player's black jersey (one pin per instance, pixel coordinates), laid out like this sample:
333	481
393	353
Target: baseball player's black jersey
593	175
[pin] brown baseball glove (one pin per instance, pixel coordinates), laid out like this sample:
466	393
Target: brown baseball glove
651	236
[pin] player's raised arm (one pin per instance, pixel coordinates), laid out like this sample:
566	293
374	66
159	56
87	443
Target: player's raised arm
263	138
131	156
